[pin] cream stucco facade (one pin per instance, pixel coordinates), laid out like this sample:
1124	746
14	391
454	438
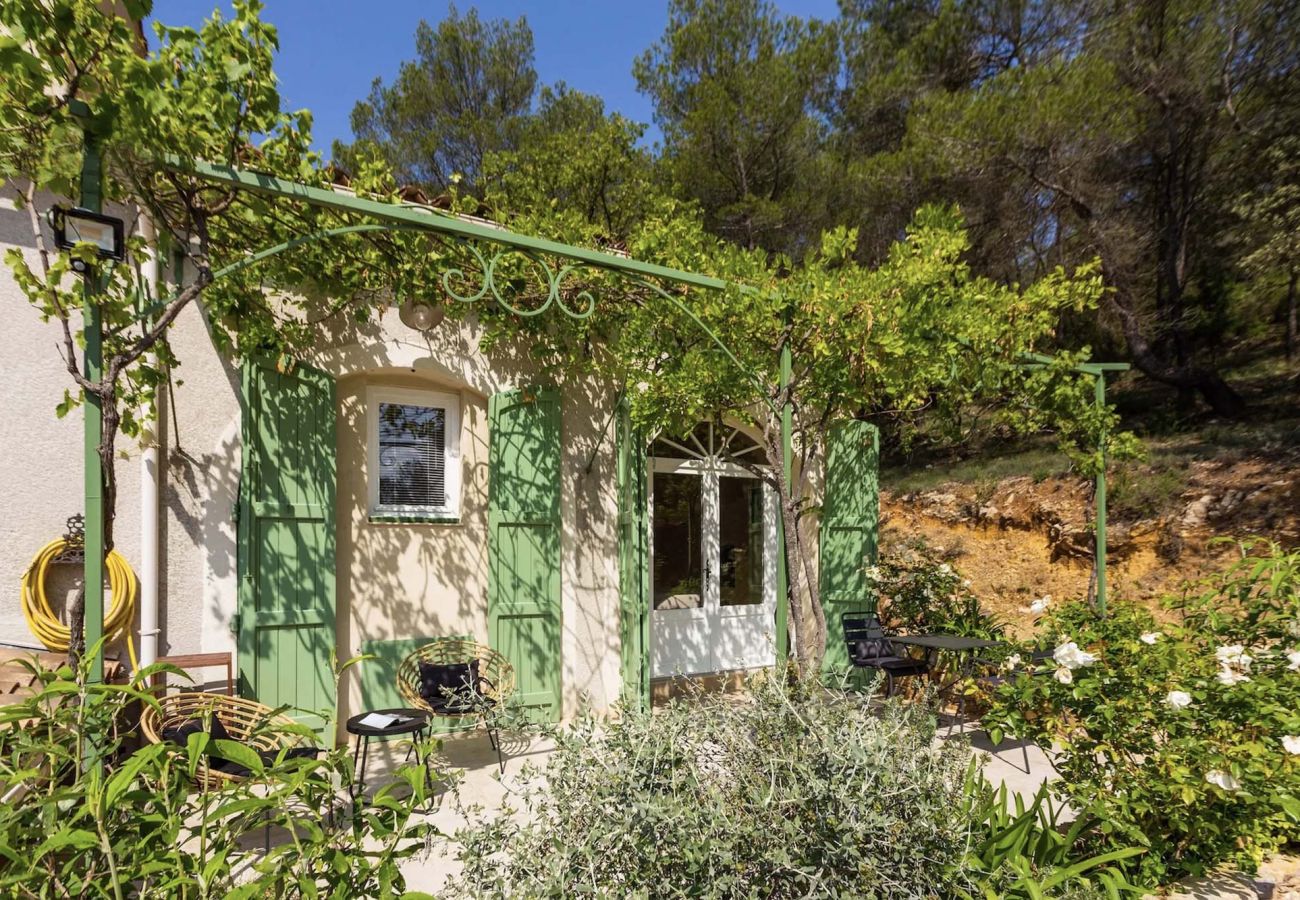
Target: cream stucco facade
393	580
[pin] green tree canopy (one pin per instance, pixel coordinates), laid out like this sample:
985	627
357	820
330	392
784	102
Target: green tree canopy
576	168
464	96
736	86
1085	129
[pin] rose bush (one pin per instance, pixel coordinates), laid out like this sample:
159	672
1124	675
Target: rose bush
1181	737
918	590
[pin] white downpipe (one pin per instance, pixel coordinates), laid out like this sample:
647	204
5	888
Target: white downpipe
149	484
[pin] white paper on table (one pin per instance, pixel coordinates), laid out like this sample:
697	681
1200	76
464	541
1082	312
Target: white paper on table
380	720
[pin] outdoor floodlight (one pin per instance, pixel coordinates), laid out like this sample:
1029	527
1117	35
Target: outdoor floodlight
73	226
420	316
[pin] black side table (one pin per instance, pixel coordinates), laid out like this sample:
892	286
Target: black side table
414	722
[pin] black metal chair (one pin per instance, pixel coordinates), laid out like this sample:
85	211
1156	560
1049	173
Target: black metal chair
870	648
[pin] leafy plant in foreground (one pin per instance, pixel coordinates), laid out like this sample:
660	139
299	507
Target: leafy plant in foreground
1029	853
87	815
780	792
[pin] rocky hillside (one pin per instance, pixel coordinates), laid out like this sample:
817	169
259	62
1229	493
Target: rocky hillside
1025	536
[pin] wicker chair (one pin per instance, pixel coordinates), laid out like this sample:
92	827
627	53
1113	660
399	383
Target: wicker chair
495	685
244	720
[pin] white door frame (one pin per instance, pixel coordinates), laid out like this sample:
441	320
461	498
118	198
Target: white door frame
709	625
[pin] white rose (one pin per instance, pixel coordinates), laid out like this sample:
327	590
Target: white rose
1039	606
1232	655
1223	780
1292	744
1150	637
1071	657
1011	661
1293	658
1064	675
945	569
1178	699
1228	677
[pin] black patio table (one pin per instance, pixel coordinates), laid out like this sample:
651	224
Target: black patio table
409	721
963	646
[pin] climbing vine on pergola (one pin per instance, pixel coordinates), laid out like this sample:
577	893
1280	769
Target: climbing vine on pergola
468	262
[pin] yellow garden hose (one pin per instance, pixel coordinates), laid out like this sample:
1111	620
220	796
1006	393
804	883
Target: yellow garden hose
46	626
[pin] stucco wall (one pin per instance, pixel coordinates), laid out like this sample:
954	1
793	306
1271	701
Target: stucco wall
393	580
397	581
41	476
423	579
40	455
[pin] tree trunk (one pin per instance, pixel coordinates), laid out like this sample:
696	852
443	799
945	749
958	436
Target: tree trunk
1207	382
1291	315
77	629
809	630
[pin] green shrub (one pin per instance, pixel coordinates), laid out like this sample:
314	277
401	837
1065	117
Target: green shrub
1025	851
87	815
779	794
920	591
784	792
1183	739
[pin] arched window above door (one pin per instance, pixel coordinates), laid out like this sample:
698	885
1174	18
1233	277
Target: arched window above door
710	442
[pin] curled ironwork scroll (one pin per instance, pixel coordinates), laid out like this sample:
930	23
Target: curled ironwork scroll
471	283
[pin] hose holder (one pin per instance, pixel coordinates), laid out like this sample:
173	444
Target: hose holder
74	542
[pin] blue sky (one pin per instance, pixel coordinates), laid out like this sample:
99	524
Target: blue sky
331	50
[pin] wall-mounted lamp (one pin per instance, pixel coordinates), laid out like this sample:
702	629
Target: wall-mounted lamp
74	226
421	316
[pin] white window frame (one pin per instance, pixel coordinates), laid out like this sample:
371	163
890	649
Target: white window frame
450	402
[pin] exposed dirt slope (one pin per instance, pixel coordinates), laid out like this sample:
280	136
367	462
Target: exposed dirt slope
1022	537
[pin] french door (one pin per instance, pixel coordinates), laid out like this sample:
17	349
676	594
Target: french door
713	570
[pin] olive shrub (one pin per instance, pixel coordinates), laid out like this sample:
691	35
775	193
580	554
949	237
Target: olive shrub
784	791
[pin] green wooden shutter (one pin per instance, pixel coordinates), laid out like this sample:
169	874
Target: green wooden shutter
848	535
633	572
524	543
285	624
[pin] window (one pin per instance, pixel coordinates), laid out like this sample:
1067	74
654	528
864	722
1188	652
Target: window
414	453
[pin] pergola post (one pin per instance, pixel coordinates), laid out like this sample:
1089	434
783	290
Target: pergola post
91	198
1100	495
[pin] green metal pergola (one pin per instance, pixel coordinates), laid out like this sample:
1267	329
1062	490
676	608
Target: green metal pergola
469	235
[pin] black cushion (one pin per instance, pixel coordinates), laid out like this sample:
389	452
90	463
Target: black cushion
450	686
217	731
458	704
865	652
230	767
180	734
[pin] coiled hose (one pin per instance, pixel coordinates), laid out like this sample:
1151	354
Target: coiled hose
45	624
